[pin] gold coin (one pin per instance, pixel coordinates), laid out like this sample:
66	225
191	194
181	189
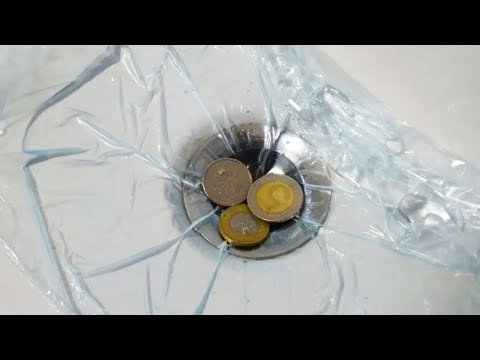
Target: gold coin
226	182
275	198
239	227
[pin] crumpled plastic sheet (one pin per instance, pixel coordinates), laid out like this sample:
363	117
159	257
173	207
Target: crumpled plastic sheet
94	142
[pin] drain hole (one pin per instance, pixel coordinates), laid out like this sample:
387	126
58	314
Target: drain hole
292	153
273	162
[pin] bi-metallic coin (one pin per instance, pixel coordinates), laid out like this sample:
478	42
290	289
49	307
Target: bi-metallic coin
275	198
239	227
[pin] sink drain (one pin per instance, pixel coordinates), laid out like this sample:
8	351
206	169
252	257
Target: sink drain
292	156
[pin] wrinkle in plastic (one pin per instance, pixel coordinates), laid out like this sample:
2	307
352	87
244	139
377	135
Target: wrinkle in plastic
94	143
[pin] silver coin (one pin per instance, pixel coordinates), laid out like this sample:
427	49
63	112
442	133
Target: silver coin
226	182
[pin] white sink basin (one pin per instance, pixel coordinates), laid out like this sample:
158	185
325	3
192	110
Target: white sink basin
110	202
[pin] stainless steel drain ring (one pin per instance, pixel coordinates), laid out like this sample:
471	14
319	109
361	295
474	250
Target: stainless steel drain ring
292	156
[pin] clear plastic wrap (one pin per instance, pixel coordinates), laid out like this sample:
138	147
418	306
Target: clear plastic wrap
94	145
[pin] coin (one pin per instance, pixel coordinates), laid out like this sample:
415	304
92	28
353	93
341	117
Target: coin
226	182
275	198
239	227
